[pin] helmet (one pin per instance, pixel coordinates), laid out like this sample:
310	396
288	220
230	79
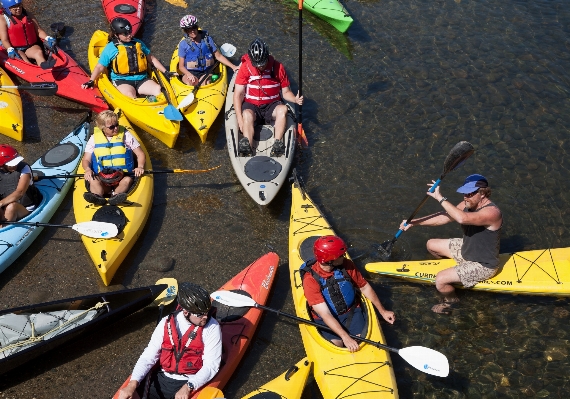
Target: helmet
193	298
10	3
121	26
188	21
110	176
258	53
7	154
328	248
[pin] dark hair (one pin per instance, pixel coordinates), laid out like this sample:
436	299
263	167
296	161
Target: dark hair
486	191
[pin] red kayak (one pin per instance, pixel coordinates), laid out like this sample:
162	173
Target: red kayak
131	10
68	75
239	324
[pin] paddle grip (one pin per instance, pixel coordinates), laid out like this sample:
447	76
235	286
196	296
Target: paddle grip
432	189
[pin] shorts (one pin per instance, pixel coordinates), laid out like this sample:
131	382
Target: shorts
356	324
469	272
263	112
161	386
134	83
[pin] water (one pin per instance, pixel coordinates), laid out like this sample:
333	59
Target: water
384	105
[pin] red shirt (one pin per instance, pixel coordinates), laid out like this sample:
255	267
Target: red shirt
244	73
312	287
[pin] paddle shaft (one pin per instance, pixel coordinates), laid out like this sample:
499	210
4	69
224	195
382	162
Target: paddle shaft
323	327
206	74
302	138
146	172
40	89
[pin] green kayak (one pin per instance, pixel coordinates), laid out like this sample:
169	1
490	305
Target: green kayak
331	11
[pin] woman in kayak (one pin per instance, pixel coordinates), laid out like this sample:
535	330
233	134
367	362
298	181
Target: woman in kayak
19	197
196	53
128	58
21	33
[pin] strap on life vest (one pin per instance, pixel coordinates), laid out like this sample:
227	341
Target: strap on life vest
178	351
131	60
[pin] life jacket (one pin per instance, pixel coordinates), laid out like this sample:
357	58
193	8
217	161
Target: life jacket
338	289
9	182
181	355
111	153
199	56
131	59
21	32
262	88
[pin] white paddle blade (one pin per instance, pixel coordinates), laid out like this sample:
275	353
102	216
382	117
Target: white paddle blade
169	294
186	101
228	50
96	229
427	360
233	299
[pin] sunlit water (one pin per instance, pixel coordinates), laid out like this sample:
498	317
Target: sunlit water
384	105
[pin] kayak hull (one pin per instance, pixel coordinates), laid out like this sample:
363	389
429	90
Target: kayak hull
331	11
261	175
288	385
108	254
543	272
68	75
132	10
208	101
12	121
120	304
338	373
62	159
146	115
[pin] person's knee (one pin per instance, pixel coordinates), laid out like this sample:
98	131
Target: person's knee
248	116
280	112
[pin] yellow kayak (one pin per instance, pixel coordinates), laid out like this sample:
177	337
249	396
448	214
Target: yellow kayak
107	255
288	385
208	101
146	115
367	373
537	272
11	115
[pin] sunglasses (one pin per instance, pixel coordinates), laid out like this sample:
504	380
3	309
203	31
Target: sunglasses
112	127
471	194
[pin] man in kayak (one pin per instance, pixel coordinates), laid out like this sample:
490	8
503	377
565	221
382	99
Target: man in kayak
477	253
261	85
21	33
187	345
108	155
128	58
196	53
332	285
18	196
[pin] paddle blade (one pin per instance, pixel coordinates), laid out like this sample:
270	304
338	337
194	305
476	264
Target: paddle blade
186	101
40	89
301	137
228	50
457	156
233	299
385	249
50	63
172	114
427	360
168	295
96	229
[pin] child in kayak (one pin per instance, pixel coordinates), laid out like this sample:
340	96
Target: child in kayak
129	60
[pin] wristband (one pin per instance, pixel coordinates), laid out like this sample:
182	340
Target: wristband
443	199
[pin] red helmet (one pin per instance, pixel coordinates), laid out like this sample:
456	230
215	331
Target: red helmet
329	248
7	153
110	176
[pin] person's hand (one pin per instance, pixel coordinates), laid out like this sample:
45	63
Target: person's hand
128	391
192	79
89	175
49	42
389	316
89	84
299	100
436	194
138	171
235	68
350	344
183	393
404	226
12	52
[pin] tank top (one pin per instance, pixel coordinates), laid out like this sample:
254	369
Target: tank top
481	244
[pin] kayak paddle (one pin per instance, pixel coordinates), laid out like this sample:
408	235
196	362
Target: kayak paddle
50	62
457	156
170	111
227	50
147	172
302	138
167	296
90	229
424	359
39	89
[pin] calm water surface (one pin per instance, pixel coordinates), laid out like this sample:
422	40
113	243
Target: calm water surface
384	105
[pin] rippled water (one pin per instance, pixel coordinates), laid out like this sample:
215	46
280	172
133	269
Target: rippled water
384	105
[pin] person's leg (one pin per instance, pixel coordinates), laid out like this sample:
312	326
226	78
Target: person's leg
443	283
439	247
15	211
36	53
149	88
127	90
124	185
279	115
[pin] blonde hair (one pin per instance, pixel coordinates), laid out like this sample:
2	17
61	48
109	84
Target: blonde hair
105	116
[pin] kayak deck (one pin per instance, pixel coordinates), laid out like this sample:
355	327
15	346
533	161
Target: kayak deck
12	121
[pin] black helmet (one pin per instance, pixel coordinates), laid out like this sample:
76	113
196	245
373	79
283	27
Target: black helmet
121	26
258	53
194	298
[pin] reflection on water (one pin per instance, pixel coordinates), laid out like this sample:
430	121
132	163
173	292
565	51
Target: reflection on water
384	105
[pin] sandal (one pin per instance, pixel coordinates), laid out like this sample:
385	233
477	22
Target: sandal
445	307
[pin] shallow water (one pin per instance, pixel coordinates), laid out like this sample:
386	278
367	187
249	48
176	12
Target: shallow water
384	105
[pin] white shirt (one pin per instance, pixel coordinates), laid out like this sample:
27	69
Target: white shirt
212	337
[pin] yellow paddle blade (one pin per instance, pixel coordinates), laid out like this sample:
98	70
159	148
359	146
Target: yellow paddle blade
169	294
192	170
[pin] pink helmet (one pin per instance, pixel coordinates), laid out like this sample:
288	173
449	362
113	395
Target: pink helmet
188	21
329	248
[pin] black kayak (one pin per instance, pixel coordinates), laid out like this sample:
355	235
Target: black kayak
29	331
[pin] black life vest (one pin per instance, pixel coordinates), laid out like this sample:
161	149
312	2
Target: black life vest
9	182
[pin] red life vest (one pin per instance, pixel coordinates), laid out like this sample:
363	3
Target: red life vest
181	356
21	32
262	88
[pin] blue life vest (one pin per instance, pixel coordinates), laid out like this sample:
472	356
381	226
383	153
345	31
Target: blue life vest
199	56
338	289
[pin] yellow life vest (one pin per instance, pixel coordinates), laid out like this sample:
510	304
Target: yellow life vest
111	153
131	60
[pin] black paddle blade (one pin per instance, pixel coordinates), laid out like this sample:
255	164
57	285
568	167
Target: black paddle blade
49	64
385	249
58	29
41	89
457	156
